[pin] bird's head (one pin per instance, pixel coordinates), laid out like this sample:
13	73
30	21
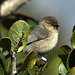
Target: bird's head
49	22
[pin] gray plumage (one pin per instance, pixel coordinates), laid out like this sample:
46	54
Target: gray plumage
44	37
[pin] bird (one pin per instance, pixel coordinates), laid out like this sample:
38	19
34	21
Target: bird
44	37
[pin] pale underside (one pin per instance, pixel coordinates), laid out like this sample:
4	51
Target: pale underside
42	40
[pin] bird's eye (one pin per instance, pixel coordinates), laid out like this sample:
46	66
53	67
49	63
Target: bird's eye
55	25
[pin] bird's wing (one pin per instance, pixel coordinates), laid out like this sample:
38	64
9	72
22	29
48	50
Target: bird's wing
37	34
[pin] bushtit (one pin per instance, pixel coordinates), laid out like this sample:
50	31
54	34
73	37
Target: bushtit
44	37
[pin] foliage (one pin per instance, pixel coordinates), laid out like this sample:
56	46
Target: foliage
14	33
67	55
15	40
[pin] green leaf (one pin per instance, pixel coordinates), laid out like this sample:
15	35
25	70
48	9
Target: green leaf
23	73
5	43
19	34
8	66
41	66
3	31
1	49
2	57
73	28
8	21
62	69
71	71
71	60
73	39
20	58
2	63
1	70
63	53
32	71
32	23
29	61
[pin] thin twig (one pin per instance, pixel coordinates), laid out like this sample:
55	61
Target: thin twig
13	57
8	6
13	61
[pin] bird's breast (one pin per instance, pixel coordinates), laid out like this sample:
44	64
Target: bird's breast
46	44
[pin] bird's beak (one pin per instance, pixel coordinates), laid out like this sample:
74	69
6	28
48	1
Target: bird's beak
57	25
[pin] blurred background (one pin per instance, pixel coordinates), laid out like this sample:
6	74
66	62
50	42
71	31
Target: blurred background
64	11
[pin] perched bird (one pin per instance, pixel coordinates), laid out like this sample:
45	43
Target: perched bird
44	37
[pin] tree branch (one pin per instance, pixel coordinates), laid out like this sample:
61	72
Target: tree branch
8	6
13	61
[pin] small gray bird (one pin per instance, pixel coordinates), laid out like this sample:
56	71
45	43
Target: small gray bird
44	37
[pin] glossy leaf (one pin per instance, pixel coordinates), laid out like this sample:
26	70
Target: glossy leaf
73	39
32	22
62	69
23	73
32	71
5	43
71	71
2	57
29	61
8	21
73	28
71	60
19	34
1	49
63	53
44	67
8	66
1	70
38	70
41	67
20	58
3	31
2	63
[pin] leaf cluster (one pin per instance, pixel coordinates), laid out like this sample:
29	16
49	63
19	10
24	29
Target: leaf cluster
67	56
18	27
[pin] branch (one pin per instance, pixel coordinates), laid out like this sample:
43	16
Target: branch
8	6
13	61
